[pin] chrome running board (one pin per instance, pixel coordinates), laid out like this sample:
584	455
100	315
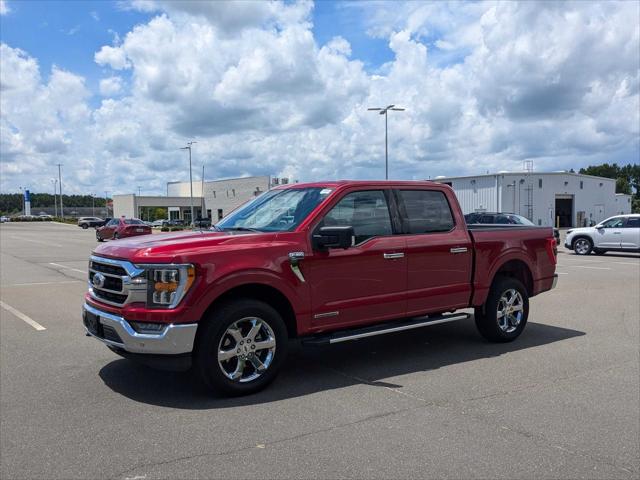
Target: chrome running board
382	329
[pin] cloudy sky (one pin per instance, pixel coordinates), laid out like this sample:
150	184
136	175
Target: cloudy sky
113	89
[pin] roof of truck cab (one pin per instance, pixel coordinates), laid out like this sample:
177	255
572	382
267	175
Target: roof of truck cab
372	183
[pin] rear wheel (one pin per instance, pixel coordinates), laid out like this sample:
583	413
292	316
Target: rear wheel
85	226
582	246
504	314
241	348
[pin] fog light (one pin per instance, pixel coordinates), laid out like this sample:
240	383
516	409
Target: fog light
148	327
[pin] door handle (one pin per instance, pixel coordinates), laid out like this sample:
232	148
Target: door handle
458	250
391	256
617	233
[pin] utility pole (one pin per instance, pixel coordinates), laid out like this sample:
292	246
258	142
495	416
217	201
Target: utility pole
22	205
60	181
383	111
106	201
202	210
139	190
54	182
93	204
188	147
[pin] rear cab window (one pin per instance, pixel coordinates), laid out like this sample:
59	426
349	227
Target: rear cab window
425	211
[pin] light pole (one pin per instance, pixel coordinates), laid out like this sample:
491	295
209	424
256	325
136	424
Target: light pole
383	111
22	204
93	204
54	182
106	201
60	181
188	147
139	190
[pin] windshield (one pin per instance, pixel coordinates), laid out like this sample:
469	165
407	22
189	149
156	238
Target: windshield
520	220
275	210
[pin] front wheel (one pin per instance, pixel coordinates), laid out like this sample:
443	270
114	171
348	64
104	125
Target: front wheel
504	314
582	246
98	237
85	226
241	348
116	236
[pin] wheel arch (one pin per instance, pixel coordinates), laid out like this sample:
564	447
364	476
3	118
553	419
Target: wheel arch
264	293
517	269
586	236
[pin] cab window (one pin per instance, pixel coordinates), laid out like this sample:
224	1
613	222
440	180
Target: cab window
427	211
367	212
632	222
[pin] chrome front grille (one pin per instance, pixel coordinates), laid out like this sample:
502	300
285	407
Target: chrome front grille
116	282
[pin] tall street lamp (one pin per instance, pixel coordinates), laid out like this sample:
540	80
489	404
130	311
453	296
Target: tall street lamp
93	204
188	147
383	111
106	201
54	182
60	182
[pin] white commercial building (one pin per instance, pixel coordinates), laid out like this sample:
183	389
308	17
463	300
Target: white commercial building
220	197
562	199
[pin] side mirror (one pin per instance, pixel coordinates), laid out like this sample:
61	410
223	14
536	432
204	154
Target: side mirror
333	237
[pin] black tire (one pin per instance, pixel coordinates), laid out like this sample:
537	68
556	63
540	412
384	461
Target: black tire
116	236
582	246
599	252
486	317
85	226
98	237
212	332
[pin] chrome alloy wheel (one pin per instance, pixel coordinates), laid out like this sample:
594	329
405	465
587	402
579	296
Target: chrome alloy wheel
581	246
510	310
246	349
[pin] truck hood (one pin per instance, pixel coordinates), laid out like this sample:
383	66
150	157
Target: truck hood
180	246
573	231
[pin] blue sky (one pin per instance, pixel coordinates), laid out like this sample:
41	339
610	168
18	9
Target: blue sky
114	89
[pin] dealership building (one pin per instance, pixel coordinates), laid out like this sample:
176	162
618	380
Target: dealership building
211	199
563	199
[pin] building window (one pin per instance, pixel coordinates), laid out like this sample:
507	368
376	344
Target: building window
234	191
539	183
214	194
566	183
581	184
220	214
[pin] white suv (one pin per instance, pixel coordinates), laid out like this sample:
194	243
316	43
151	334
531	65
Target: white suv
620	233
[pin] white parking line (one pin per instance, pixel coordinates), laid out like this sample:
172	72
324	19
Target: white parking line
592	268
67	268
48	244
562	273
41	283
636	264
21	316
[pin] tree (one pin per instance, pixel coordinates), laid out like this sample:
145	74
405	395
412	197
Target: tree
622	186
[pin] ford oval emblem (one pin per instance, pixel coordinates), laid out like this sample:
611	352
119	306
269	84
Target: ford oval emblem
98	280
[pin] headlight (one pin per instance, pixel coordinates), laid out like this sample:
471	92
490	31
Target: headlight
168	284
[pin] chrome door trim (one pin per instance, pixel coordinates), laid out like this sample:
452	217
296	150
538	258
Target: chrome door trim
458	250
391	256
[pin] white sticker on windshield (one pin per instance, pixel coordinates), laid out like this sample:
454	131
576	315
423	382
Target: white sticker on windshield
325	191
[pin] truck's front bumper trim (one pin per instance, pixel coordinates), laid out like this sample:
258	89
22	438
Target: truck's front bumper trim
555	281
173	340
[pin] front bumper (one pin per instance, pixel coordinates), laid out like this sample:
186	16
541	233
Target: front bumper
555	281
567	246
116	332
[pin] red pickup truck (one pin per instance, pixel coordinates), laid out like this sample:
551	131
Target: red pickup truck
323	262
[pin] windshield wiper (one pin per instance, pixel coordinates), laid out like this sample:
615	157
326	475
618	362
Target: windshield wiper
241	229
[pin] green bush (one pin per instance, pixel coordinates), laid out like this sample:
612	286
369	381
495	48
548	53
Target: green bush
176	229
164	229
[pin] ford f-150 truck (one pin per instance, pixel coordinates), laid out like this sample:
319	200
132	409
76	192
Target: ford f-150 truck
321	262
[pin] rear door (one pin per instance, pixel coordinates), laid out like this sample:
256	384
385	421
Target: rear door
439	252
609	235
367	282
108	230
631	234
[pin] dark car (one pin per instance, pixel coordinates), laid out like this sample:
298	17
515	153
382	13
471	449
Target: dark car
202	222
496	218
122	228
86	222
176	222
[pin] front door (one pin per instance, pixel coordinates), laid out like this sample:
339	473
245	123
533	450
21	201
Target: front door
439	253
631	233
367	282
108	230
609	233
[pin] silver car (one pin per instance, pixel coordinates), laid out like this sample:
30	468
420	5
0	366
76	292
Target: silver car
620	233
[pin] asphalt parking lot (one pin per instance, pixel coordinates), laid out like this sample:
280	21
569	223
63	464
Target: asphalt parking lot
563	401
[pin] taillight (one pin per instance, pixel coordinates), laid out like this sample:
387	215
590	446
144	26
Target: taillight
552	249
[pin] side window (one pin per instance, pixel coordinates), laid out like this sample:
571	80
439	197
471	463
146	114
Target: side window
614	223
367	212
427	211
113	223
632	222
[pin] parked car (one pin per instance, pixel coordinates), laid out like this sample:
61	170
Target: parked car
86	222
322	262
122	228
202	223
4	219
504	219
44	216
176	222
158	223
620	233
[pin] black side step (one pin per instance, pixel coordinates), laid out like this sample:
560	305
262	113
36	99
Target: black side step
348	335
